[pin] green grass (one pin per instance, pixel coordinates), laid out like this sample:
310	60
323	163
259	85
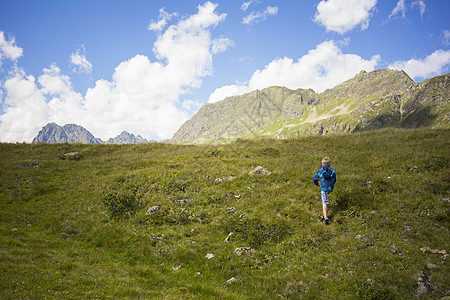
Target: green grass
78	229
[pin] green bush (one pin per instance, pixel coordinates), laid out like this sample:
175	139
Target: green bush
255	232
121	203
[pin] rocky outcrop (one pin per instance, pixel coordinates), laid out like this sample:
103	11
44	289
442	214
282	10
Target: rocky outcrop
379	99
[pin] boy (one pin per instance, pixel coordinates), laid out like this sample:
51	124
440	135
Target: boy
327	178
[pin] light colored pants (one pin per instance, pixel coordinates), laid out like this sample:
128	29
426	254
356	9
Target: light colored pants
325	197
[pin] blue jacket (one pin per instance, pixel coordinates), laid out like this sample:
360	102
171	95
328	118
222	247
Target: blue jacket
327	178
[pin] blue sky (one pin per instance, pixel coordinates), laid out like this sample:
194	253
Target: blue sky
148	66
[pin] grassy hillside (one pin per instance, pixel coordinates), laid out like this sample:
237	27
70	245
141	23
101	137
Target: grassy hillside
75	226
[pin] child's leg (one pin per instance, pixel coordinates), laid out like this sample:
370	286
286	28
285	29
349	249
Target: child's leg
325	203
325	211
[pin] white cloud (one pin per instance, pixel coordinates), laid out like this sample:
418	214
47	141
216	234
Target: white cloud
245	5
8	49
321	68
421	6
25	108
142	98
446	37
342	16
191	105
434	64
400	8
228	90
164	17
256	16
81	64
221	45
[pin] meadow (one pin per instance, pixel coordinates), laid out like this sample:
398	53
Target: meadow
75	221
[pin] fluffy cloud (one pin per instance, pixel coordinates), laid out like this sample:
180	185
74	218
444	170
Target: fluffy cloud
79	61
142	97
432	65
228	90
221	45
342	16
256	16
8	49
164	17
321	68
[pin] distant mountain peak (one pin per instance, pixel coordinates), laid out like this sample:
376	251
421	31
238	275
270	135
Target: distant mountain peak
72	133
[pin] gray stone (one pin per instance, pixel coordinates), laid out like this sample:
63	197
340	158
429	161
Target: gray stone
431	266
243	250
153	209
260	171
224	179
183	200
228	239
231	280
231	209
423	285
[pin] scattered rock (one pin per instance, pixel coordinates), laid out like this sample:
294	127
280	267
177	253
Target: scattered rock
224	179
231	209
176	267
243	250
423	285
361	238
368	184
431	266
183	200
434	251
425	213
228	195
32	165
71	156
242	216
231	280
153	209
199	274
228	239
209	256
260	171
14	229
406	229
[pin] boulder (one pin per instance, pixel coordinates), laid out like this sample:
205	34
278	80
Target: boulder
260	171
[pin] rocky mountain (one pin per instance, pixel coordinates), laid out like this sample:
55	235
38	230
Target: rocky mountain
127	138
379	99
70	133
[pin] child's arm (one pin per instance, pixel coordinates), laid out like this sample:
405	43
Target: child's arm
316	179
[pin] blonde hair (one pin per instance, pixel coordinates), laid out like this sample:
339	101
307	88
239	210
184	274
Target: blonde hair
326	161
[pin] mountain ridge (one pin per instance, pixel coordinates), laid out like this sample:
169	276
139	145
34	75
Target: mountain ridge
371	100
71	133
